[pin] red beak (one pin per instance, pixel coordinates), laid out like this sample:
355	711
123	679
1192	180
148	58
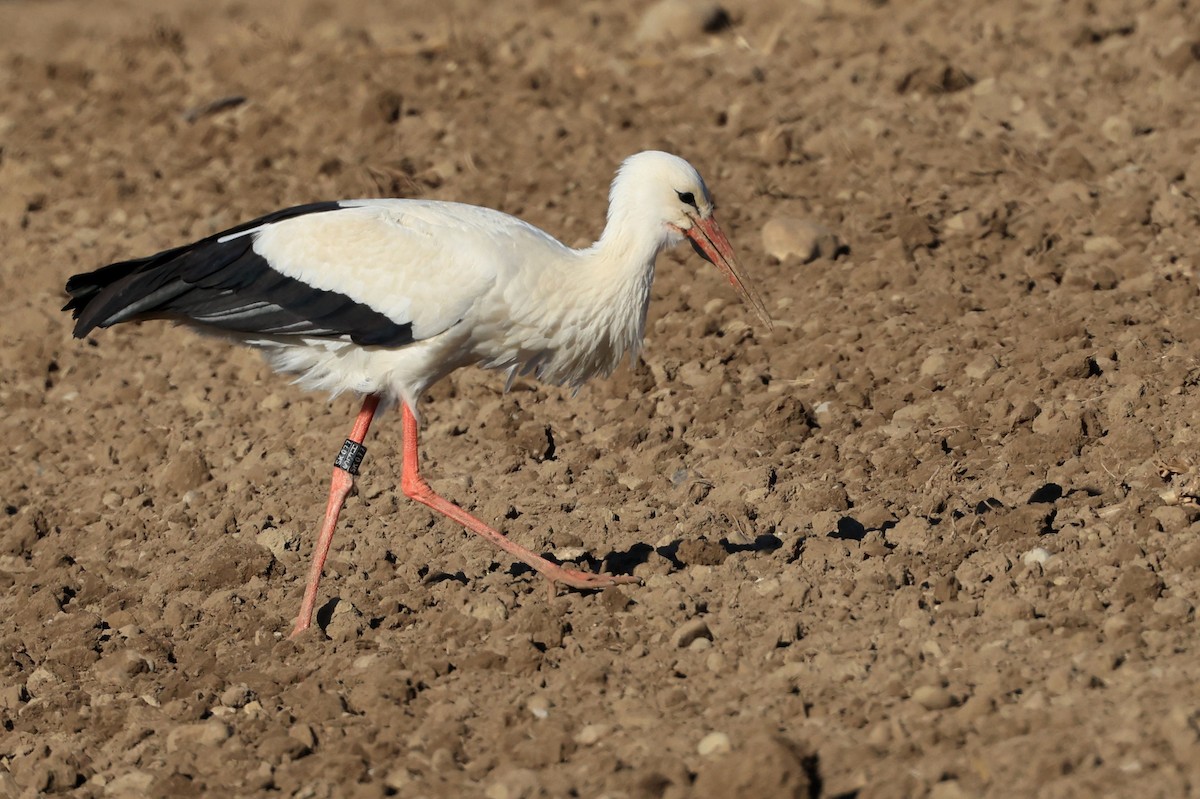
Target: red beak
708	240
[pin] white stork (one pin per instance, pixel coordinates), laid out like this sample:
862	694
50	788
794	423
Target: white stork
385	297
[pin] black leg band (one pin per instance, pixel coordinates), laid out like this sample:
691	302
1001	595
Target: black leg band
350	457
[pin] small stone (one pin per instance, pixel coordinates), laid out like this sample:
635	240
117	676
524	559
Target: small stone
397	779
190	737
934	364
187	470
715	743
1069	191
347	623
910	533
1182	56
980	367
880	736
767	586
932	697
1069	162
786	237
775	145
671	20
117	668
873	517
1102	245
40	681
1171	518
304	734
825	521
1038	555
236	695
689	632
914	232
514	783
278	541
12	697
947	789
1117	130
567	554
591	734
487	608
539	706
129	785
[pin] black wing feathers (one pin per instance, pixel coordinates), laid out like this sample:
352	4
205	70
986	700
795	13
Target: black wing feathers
226	284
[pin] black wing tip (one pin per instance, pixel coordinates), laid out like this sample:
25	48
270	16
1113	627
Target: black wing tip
389	335
81	291
212	270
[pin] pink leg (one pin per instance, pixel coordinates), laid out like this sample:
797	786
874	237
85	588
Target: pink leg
339	489
416	488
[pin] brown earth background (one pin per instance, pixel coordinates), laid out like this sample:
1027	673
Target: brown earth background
933	535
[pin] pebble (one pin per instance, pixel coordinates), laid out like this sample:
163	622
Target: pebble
303	733
1177	59
947	789
880	736
767	586
1171	518
910	533
775	145
932	697
130	784
1117	130
488	608
1038	555
591	734
825	521
689	632
873	517
187	470
934	364
40	681
117	668
565	554
539	706
278	541
669	20
1103	245
980	367
715	743
914	232
190	737
398	779
13	696
786	237
346	624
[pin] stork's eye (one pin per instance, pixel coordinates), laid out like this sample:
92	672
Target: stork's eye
687	198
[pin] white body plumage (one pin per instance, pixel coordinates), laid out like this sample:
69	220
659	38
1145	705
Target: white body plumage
479	286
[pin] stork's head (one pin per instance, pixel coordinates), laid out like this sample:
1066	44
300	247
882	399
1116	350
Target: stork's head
674	198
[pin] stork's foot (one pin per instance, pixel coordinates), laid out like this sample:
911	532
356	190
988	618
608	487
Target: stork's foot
583	581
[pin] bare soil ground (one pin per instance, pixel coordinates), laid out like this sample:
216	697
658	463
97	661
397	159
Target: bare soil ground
933	535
